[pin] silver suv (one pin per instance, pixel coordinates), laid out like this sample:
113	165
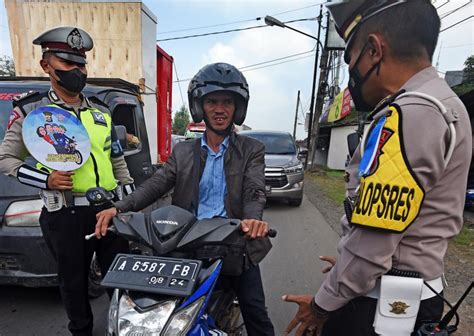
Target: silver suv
283	170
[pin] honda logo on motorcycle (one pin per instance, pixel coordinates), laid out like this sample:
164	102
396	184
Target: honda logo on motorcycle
166	222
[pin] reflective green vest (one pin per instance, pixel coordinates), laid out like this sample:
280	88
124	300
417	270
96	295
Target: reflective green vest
98	170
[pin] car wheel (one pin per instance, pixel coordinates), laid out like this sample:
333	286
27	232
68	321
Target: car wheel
95	289
295	201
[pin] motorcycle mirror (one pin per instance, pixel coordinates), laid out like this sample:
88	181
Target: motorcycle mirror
352	142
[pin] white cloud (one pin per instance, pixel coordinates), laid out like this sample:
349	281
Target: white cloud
272	104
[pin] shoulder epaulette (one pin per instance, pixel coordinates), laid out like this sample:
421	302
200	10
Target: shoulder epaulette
384	103
27	98
97	101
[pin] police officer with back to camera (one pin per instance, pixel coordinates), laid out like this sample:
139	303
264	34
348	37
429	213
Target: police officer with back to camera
405	183
66	220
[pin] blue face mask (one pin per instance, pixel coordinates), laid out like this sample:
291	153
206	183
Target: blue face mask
356	81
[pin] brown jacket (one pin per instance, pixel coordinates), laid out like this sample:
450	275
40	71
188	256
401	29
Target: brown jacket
244	167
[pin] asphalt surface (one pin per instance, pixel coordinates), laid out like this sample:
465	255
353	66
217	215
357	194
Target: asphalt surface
291	267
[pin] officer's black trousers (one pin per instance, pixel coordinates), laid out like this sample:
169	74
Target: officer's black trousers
357	317
249	289
64	232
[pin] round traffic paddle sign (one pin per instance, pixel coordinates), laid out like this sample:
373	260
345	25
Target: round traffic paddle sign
56	138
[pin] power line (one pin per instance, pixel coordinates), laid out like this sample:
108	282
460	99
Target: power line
265	62
297	9
278	59
458	46
240	21
211	26
179	85
213	33
228	31
455	10
266	66
457	23
443	4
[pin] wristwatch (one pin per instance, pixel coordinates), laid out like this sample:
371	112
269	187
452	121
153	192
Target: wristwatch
317	310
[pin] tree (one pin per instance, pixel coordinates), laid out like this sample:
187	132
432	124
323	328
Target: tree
469	69
7	66
181	120
468	83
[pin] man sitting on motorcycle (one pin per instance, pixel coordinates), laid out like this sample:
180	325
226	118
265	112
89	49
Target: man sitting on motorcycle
220	175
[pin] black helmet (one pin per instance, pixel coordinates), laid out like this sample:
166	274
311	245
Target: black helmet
218	77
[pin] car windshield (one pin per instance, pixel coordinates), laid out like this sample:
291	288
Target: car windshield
275	143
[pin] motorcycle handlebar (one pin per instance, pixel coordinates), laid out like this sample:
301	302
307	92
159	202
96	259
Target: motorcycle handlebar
272	233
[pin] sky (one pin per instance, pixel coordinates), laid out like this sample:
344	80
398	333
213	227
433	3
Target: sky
273	89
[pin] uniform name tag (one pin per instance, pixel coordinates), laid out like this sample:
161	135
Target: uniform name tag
389	196
99	118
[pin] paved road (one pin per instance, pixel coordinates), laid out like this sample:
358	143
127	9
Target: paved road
292	265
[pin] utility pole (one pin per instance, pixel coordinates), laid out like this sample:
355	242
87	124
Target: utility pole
313	90
296	115
338	69
323	74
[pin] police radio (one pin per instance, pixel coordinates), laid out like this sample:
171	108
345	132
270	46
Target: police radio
442	328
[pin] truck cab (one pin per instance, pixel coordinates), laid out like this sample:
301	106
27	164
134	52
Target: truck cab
24	256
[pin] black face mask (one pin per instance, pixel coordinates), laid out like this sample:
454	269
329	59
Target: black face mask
72	80
356	81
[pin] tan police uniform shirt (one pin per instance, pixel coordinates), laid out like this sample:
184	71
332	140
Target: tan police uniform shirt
13	151
366	254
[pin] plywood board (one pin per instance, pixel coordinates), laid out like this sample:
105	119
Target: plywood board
114	26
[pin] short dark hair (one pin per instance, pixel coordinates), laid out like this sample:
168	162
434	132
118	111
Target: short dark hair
411	29
38	131
47	55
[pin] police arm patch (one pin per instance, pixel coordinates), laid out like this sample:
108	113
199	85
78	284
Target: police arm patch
14	116
389	196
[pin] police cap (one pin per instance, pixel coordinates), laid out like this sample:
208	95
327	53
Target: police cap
69	43
349	15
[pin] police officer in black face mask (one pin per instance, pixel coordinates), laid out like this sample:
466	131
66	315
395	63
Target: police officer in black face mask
65	220
65	61
388	276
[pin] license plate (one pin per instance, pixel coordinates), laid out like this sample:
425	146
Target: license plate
169	276
268	189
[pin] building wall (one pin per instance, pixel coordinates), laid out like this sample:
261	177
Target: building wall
338	150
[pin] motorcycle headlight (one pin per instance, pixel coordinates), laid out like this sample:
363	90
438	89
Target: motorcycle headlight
149	323
24	213
181	322
294	169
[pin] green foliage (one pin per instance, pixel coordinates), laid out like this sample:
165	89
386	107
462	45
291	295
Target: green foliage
181	120
468	84
469	69
465	237
7	66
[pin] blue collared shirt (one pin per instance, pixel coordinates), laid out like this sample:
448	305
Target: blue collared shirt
212	187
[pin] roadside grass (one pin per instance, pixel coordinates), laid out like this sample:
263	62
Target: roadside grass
465	237
331	183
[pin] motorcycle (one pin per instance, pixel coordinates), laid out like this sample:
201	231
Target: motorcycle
173	291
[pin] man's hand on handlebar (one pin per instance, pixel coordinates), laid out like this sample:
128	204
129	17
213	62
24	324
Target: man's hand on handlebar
254	229
103	220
